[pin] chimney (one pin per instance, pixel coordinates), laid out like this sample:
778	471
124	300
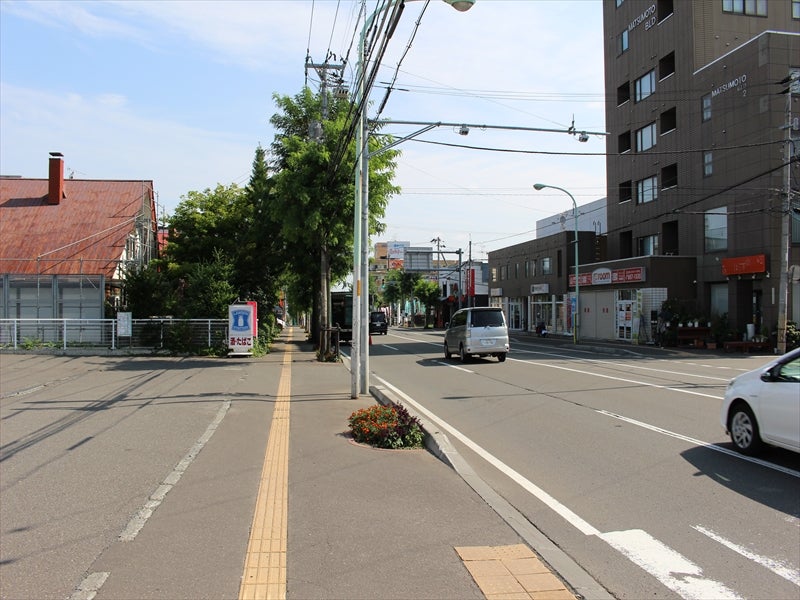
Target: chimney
55	190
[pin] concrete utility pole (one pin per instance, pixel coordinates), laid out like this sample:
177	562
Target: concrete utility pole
322	70
786	217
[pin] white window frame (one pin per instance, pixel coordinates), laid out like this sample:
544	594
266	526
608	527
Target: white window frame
647	190
648	245
646	137
645	86
705	106
715	229
708	163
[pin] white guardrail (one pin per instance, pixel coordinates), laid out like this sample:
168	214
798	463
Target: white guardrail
103	333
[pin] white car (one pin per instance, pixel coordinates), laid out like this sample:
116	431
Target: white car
763	406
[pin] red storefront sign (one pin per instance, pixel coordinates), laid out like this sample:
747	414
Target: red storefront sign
608	276
744	264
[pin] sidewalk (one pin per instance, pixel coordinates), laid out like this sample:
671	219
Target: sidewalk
372	523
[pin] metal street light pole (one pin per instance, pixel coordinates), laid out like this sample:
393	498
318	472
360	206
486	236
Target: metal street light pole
575	317
359	360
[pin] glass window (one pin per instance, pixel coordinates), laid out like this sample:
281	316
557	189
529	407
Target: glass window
706	104
648	245
494	273
646	137
647	190
715	228
622	42
547	268
796	9
719	299
708	164
645	86
756	8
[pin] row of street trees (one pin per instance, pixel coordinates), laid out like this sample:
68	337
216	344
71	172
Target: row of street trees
290	228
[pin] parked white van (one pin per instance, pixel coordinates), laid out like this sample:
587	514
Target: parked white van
477	331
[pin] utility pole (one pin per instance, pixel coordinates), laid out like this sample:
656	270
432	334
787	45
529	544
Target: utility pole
786	216
315	133
322	69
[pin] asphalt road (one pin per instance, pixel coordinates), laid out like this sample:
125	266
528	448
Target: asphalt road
87	442
618	456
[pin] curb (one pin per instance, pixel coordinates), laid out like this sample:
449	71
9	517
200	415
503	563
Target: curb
563	566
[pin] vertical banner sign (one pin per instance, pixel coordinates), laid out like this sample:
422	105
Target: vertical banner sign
240	328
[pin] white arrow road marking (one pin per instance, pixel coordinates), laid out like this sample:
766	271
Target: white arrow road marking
669	567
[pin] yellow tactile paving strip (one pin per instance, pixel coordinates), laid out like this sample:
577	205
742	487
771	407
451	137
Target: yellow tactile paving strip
265	564
512	573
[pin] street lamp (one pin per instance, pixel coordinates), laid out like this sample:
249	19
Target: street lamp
359	360
575	318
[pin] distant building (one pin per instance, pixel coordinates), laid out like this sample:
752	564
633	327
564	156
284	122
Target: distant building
65	243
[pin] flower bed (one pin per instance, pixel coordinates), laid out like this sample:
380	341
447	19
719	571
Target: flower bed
386	427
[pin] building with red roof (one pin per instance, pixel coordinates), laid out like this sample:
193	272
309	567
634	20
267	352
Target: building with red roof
65	244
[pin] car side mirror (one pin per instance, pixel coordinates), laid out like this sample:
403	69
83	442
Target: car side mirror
447	325
768	375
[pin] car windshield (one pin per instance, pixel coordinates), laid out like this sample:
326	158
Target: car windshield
487	318
378	316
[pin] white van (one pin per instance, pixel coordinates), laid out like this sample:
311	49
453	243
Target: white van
477	331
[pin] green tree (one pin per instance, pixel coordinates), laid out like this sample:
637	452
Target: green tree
391	290
260	261
428	293
206	222
148	291
314	193
209	291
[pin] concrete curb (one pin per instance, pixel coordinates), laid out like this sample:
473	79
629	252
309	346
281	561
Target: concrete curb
573	575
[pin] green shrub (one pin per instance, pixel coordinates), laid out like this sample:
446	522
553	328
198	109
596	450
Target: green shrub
386	427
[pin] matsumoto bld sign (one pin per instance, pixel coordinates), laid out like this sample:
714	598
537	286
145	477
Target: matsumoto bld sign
606	276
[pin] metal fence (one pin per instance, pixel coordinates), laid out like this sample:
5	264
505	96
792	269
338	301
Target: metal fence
155	334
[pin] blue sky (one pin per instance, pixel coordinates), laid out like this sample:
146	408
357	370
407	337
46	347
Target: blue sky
181	93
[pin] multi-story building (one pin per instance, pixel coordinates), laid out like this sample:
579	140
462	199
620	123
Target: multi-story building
703	208
702	148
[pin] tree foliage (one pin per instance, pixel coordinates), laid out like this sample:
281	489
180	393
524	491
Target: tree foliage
428	293
290	228
314	192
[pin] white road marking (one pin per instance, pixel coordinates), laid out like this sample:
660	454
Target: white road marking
645	551
444	364
138	520
789	573
701	443
90	585
615	378
669	567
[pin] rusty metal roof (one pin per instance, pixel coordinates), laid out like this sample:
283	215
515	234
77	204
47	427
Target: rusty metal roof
84	233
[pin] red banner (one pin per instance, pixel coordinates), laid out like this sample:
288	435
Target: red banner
744	264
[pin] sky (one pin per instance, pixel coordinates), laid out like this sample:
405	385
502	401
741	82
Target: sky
181	93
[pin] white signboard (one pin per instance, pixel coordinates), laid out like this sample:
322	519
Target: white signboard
124	324
240	328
